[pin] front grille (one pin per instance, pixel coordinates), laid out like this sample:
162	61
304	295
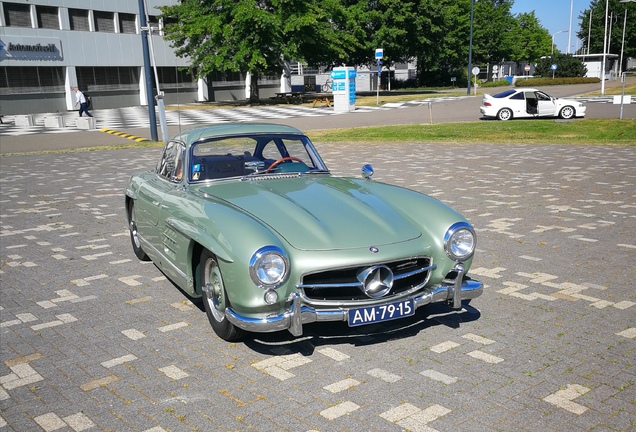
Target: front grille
343	285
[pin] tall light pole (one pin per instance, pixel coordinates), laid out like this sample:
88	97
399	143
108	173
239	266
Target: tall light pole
620	65
589	33
148	72
470	46
604	51
570	28
560	31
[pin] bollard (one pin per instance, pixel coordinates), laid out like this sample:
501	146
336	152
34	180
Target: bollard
24	120
86	123
54	121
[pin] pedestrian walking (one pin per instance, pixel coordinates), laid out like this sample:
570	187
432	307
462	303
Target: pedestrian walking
82	101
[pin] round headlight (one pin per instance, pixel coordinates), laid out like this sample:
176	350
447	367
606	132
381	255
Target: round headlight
269	266
459	241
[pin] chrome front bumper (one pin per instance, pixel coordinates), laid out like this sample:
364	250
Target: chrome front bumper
297	315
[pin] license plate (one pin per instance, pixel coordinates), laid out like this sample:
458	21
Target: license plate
380	313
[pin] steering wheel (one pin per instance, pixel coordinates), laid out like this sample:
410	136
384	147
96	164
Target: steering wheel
281	160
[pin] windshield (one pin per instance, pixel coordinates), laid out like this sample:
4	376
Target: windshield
239	156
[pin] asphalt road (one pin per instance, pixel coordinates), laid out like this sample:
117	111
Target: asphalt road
460	110
91	339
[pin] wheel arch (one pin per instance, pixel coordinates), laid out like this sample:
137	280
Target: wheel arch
196	249
505	108
565	107
127	204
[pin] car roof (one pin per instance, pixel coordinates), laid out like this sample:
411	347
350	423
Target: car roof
229	129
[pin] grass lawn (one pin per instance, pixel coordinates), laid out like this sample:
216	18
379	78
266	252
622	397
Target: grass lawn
616	90
581	131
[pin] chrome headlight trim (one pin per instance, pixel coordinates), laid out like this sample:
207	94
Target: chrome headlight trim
460	241
269	267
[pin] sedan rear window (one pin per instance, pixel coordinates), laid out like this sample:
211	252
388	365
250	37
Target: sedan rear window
504	94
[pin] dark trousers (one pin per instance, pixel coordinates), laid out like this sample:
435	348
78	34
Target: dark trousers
84	108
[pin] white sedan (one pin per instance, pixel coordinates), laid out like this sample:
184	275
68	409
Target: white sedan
529	103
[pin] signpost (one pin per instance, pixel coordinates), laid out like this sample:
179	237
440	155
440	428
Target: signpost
554	68
527	69
624	99
495	74
379	54
475	72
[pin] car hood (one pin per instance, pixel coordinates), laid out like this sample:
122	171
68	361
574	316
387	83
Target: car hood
318	213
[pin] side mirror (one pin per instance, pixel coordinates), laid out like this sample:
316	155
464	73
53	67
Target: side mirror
367	171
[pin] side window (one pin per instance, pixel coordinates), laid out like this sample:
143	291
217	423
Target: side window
518	96
172	162
296	149
271	151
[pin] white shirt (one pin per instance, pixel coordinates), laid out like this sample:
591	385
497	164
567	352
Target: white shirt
79	96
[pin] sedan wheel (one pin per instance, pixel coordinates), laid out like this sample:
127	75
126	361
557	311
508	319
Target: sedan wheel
567	112
504	114
215	298
134	235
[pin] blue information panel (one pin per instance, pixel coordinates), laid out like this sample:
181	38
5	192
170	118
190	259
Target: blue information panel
344	88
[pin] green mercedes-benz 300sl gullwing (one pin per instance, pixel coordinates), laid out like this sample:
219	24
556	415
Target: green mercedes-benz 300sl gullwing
248	217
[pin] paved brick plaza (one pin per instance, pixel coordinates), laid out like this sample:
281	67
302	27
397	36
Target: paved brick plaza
92	339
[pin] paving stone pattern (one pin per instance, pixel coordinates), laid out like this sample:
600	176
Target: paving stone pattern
92	339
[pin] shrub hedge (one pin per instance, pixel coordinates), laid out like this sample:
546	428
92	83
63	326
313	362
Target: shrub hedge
535	82
498	83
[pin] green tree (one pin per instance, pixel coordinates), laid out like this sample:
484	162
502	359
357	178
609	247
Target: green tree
390	25
567	66
443	40
493	38
257	36
593	36
531	41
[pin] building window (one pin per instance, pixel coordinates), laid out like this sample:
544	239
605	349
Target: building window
108	78
227	77
173	77
79	19
29	79
129	76
153	21
47	17
17	15
127	23
104	21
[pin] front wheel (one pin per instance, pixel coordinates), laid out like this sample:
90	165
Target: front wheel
215	298
504	114
567	112
134	235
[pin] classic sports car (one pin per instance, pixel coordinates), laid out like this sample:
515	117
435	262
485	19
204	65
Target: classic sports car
248	217
529	103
